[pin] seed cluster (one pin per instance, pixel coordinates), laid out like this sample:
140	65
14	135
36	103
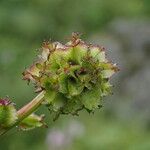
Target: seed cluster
74	75
8	113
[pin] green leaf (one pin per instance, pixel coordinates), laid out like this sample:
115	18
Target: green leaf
63	83
31	122
58	102
105	65
60	57
73	106
91	98
98	54
84	78
106	88
77	53
107	73
74	88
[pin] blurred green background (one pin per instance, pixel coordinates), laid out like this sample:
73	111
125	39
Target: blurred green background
123	27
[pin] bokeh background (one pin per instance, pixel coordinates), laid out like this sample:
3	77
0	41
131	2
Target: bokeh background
123	27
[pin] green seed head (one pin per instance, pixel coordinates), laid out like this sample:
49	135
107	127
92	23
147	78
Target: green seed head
8	113
74	75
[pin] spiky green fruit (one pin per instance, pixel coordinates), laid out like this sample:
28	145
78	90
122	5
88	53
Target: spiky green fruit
75	75
8	113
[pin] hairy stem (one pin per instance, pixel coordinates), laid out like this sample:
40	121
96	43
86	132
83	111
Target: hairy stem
26	110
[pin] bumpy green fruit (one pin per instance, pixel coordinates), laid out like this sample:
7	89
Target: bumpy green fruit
8	113
75	75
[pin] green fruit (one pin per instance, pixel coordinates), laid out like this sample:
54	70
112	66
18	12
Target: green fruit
8	113
75	75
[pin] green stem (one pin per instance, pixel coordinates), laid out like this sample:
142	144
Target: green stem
26	110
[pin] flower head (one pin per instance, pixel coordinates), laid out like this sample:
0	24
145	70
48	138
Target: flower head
8	113
74	75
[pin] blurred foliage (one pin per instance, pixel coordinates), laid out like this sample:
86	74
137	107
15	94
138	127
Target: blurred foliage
23	27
